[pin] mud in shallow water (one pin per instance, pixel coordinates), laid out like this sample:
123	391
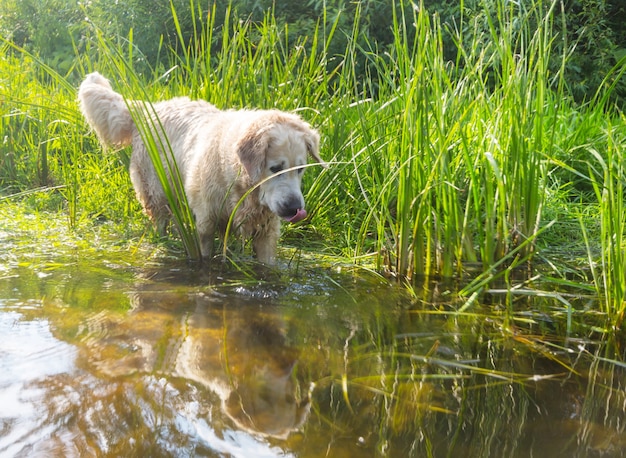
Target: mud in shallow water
99	357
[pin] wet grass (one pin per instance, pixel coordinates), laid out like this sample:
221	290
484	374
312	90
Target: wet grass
466	168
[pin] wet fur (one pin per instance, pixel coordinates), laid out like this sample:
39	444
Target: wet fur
220	155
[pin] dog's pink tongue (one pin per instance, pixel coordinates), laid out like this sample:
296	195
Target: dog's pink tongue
299	216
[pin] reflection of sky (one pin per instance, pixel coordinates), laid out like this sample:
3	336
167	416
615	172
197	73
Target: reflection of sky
237	444
28	352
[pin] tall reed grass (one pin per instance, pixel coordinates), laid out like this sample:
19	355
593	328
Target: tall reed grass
439	166
451	157
609	184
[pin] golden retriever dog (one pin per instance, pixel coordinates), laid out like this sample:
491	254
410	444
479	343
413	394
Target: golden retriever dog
221	155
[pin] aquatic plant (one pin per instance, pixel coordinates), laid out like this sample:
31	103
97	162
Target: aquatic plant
449	158
609	186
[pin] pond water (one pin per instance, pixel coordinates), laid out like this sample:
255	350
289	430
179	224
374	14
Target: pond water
117	354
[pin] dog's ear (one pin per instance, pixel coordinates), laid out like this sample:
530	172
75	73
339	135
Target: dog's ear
251	150
312	140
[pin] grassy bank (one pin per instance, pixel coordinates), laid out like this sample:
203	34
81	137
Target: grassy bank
478	166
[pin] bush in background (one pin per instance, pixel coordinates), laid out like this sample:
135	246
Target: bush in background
52	29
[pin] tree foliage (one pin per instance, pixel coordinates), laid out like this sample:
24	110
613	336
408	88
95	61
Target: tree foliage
593	35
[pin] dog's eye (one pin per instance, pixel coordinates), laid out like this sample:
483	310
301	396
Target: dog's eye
276	168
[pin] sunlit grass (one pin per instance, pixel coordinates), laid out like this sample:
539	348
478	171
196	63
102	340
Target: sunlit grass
609	188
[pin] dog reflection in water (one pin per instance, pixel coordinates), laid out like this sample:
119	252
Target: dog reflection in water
253	374
238	351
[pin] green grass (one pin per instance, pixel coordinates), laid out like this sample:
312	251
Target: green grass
609	190
471	167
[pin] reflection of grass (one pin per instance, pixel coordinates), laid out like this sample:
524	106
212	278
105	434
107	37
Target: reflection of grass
471	384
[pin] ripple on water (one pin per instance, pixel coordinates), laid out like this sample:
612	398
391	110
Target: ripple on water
28	353
29	350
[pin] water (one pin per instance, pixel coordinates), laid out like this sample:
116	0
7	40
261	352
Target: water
114	353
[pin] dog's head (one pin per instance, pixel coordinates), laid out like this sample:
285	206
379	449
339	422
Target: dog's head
274	151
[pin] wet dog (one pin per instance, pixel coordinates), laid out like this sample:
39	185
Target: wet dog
221	156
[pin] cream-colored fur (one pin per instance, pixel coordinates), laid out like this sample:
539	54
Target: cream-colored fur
220	155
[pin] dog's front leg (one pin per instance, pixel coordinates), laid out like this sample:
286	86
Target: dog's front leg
206	232
265	248
265	240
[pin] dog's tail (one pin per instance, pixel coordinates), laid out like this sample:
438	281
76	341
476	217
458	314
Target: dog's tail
105	110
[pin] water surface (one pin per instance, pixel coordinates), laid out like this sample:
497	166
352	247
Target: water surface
119	353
